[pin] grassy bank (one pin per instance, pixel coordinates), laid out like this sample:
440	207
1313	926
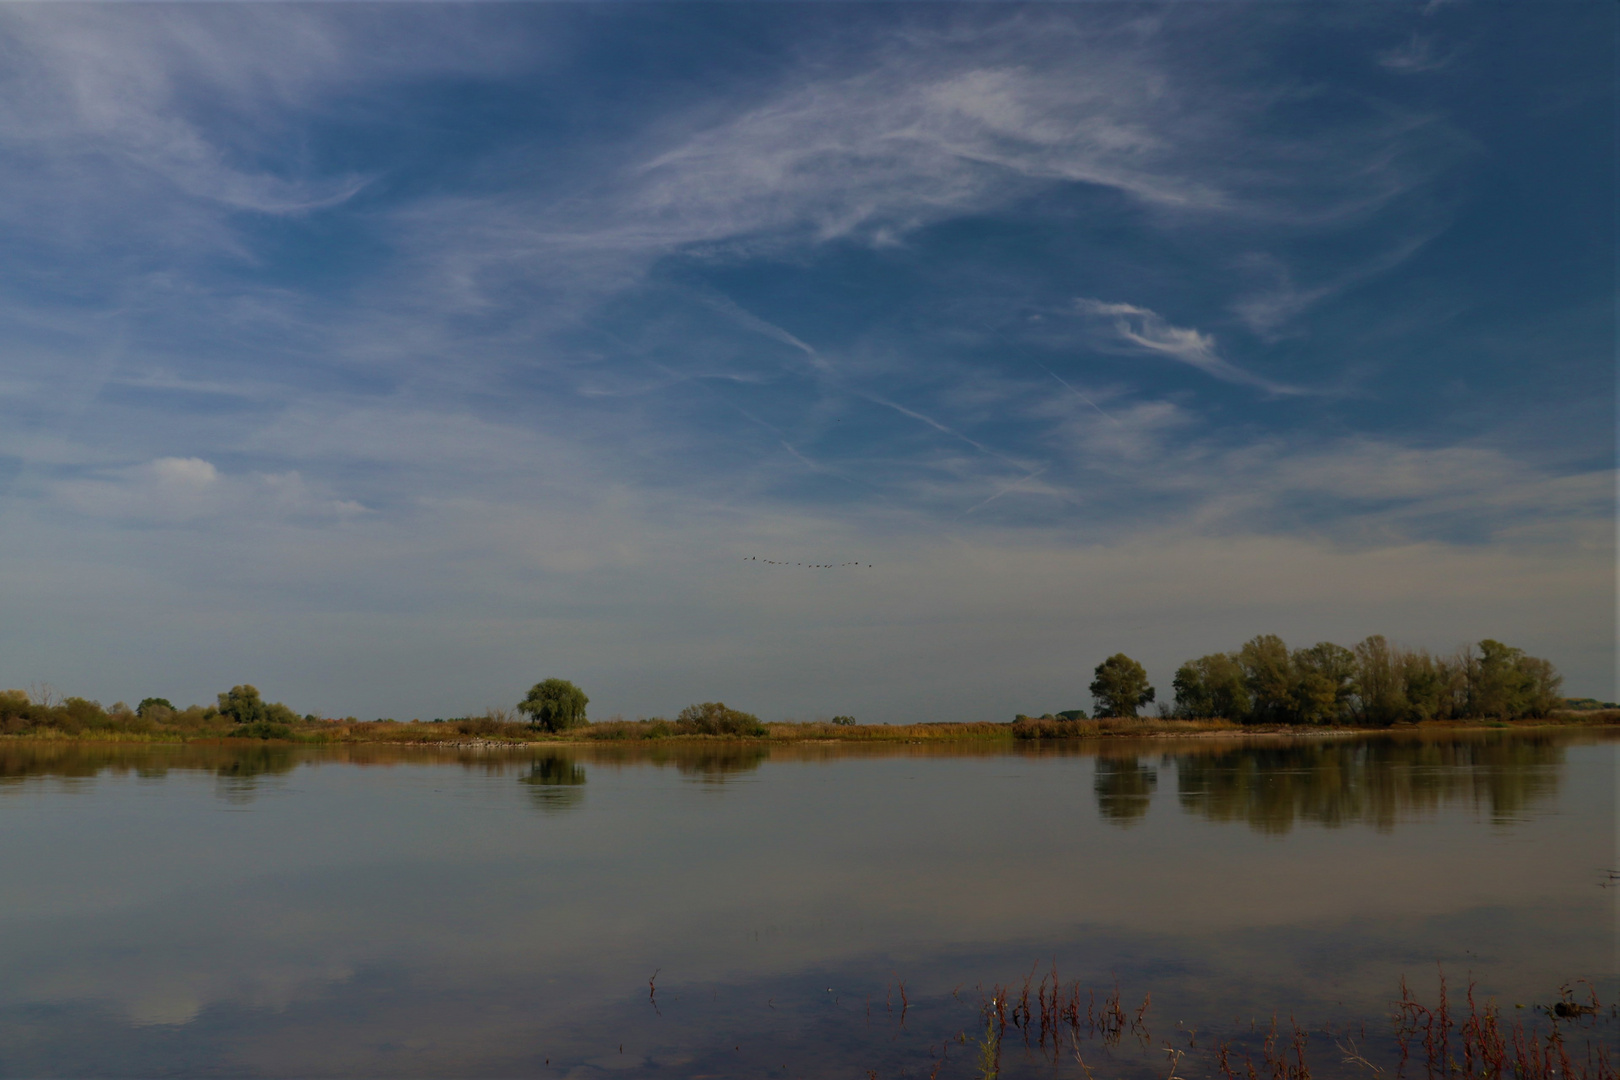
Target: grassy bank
97	725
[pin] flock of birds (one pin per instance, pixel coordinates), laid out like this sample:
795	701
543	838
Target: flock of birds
806	565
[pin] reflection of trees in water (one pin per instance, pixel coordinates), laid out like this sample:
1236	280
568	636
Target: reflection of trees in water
21	760
1374	782
239	774
1124	789
707	762
719	763
555	783
237	770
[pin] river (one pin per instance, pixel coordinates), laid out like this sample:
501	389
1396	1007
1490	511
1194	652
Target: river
740	910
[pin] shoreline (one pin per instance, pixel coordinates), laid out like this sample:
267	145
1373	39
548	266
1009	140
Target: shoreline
396	734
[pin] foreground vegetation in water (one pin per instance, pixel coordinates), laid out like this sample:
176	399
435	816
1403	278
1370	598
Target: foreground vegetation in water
1454	1032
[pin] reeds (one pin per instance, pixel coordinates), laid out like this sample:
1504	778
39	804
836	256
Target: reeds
1481	1046
1442	1039
1057	1012
1046	727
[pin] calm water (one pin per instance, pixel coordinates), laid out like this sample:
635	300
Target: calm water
392	912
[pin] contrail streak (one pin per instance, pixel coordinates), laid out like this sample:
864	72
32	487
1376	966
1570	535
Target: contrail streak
1077	393
1015	484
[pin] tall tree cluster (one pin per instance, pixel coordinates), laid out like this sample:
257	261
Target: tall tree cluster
1373	683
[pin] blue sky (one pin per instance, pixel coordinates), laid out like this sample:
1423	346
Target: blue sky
394	358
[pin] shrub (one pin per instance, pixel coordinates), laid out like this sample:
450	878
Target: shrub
714	718
263	729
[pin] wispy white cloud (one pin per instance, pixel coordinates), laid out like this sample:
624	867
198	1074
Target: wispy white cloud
1268	311
869	144
1415	54
176	490
1143	330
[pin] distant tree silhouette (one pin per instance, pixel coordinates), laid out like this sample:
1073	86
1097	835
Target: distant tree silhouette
1374	683
1212	686
242	704
555	705
1121	686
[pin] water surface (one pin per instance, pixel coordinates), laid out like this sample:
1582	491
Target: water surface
737	910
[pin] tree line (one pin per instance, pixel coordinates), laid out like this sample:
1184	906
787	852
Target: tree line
1374	683
239	711
552	705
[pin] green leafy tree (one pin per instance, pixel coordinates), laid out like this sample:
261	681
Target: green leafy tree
1269	676
1503	682
1324	683
1380	682
148	704
1121	686
1436	687
243	705
555	705
1546	685
1212	686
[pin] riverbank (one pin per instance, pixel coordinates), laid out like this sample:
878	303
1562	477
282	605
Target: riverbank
484	732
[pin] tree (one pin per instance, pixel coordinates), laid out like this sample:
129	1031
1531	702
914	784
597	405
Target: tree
555	704
1546	685
1436	686
1380	682
148	704
242	704
1324	682
1121	686
1504	682
1212	686
1269	677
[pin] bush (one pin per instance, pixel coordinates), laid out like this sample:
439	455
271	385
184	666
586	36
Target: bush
488	724
844	721
263	729
617	730
714	718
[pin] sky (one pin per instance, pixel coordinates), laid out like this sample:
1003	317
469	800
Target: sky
899	361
